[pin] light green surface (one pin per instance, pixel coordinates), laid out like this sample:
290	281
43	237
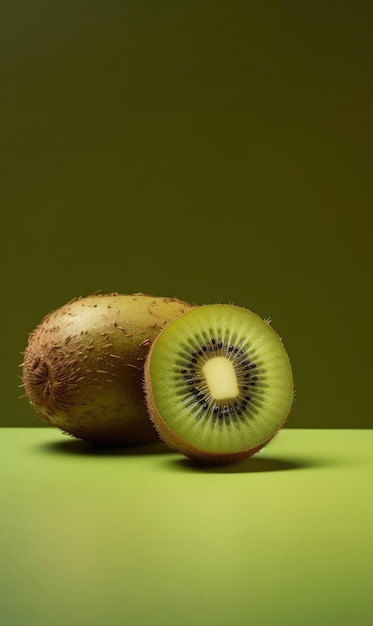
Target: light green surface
147	538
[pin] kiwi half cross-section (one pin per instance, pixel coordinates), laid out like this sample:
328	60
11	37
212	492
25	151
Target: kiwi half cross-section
218	383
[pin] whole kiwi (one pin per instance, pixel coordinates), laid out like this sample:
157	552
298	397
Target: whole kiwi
83	365
218	383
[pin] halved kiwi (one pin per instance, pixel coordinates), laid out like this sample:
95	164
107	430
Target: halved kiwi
218	383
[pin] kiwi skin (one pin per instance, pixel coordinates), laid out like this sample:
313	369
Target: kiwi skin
83	365
176	442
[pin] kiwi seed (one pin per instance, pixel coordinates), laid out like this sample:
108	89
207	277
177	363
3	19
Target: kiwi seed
218	383
83	365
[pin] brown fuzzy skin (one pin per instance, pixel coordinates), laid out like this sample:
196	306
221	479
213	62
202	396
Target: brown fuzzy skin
83	365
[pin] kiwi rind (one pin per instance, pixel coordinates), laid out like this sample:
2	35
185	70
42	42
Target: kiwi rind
275	381
83	365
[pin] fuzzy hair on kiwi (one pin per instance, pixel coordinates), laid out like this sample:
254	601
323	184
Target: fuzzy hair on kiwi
83	365
218	383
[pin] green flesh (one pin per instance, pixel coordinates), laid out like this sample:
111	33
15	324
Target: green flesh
182	383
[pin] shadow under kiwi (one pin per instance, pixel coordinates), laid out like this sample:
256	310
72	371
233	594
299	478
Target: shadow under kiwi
79	447
251	465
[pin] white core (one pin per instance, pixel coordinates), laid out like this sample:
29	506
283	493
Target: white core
221	378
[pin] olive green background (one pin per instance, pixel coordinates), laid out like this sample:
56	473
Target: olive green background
213	151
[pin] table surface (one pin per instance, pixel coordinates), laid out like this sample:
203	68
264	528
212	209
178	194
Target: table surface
142	536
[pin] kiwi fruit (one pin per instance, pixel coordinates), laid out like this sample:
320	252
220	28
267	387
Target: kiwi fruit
218	383
83	365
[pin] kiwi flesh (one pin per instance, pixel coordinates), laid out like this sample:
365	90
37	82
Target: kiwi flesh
218	383
83	365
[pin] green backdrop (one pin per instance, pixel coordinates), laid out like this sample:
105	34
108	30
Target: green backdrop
213	151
